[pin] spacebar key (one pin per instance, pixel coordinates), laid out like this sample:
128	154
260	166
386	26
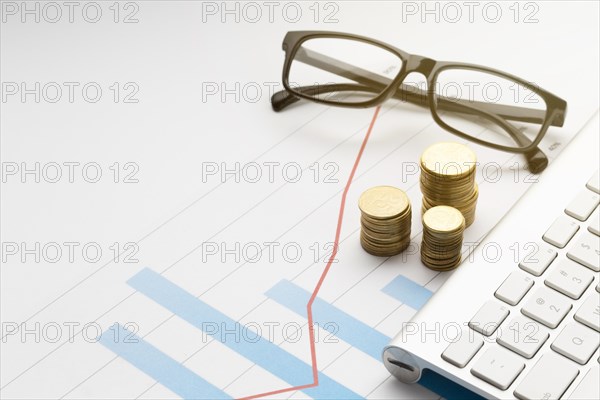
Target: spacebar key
549	379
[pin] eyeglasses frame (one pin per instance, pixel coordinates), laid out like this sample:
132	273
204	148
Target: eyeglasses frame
555	106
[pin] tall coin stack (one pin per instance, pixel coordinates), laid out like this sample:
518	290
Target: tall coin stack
443	229
448	178
385	221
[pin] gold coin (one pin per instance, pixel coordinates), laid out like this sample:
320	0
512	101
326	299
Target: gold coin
439	245
439	259
440	264
448	179
400	220
443	219
392	223
445	269
383	202
383	251
448	159
388	240
444	180
448	187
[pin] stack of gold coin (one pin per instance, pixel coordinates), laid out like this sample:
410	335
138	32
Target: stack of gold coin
443	229
448	178
385	221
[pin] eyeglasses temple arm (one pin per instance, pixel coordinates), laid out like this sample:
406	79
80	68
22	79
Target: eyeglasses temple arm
340	68
537	160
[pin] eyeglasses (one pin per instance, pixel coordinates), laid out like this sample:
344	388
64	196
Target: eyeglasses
477	103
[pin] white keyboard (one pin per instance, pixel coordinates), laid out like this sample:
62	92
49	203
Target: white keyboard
526	327
564	279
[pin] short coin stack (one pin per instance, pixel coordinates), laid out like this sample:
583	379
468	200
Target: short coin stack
448	178
443	229
385	221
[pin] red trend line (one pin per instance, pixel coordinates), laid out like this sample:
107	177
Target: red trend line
336	242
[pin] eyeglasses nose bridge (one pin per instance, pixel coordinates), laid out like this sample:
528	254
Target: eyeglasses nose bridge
419	64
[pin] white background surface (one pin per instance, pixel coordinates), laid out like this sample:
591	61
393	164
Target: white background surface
171	54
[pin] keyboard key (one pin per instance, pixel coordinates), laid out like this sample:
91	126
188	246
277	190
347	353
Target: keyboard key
547	307
589	387
589	312
586	251
576	342
514	288
537	262
561	231
548	379
498	367
593	184
583	205
460	352
569	278
595	225
523	336
489	317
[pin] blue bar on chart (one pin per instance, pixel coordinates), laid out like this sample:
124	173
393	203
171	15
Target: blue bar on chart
408	292
164	369
356	333
260	351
